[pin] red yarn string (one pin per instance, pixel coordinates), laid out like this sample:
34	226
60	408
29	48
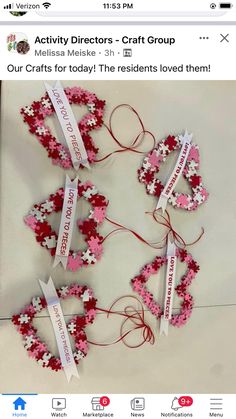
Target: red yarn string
120	228
136	317
166	222
136	142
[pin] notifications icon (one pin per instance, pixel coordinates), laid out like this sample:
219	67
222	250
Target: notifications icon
180	402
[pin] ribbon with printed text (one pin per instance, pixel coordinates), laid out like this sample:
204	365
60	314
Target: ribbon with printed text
67	222
60	329
177	171
169	287
69	125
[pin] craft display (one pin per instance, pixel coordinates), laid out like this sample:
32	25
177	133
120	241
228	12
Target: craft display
32	342
47	237
151	165
187	165
139	285
36	114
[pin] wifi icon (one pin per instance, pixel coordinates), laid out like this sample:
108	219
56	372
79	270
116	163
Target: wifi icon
46	4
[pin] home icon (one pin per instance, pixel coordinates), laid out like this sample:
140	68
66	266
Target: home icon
19	403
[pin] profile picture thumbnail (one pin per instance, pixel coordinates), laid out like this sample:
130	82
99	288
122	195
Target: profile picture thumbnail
18	42
18	14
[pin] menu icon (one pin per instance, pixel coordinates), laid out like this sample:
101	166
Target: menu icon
216	404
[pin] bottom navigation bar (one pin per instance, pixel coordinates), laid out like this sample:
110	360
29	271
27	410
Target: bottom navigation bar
120	406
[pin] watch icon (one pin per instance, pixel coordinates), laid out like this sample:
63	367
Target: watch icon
59	404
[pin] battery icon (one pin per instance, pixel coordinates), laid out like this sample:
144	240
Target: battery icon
225	5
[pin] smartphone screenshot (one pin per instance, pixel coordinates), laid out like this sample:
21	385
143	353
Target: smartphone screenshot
117	209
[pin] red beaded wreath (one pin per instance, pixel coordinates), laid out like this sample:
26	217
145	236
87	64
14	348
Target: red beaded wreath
151	166
39	350
139	285
36	220
35	115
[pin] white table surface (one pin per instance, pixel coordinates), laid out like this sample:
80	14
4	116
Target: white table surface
199	357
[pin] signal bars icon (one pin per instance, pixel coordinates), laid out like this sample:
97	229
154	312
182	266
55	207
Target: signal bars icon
9	6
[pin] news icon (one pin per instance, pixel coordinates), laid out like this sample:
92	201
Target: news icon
138	403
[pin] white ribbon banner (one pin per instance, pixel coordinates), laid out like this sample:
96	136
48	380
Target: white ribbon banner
67	222
170	286
60	329
69	125
177	171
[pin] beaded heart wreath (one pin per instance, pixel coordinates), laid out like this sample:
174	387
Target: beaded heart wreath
138	285
35	115
36	220
151	166
39	350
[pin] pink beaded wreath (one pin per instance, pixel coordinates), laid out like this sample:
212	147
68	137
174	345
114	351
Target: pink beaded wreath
33	344
35	115
139	285
151	166
47	237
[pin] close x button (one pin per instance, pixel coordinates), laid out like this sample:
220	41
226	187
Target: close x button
224	38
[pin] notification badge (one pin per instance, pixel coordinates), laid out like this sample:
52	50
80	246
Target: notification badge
104	401
180	402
